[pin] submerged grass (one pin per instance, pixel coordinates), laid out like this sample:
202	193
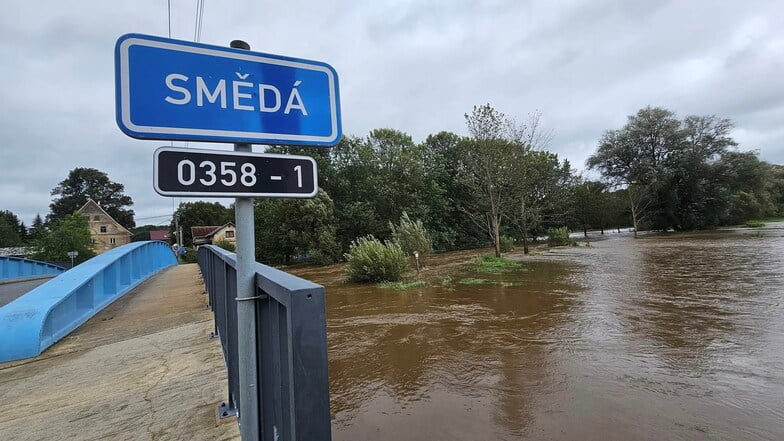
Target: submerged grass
403	286
754	224
475	281
495	265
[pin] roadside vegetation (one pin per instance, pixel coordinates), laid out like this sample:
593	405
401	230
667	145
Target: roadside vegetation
501	186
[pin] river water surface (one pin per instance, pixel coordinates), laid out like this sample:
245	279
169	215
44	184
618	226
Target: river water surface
663	337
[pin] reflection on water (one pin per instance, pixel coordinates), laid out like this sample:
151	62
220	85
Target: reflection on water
665	337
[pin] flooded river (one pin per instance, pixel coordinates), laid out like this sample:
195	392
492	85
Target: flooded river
663	337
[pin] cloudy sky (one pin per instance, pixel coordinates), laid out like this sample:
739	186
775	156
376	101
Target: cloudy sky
413	65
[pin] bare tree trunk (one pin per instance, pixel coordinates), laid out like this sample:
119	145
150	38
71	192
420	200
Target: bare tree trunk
497	235
634	211
524	224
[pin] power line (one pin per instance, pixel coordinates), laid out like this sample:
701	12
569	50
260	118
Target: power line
199	18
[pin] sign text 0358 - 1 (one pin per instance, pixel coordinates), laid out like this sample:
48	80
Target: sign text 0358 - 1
194	172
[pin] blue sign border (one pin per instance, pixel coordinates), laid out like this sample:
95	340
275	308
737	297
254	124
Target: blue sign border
123	95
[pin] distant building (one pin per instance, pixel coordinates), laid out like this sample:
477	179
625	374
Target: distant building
105	232
163	235
209	235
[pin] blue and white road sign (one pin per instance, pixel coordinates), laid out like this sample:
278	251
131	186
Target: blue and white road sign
171	89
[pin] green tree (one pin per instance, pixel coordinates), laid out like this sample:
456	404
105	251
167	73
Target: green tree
70	233
448	223
287	228
542	187
491	159
12	231
37	227
744	183
88	183
635	156
200	213
587	196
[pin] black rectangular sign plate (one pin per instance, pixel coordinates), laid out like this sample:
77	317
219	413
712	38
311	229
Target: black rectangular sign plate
214	173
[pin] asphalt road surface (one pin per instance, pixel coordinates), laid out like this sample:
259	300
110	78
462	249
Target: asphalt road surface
10	291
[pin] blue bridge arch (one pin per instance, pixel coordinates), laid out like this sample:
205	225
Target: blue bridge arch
41	317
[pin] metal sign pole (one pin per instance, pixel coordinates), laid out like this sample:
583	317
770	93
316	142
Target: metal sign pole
246	305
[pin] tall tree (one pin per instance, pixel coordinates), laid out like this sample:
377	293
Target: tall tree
70	233
635	156
543	191
491	159
88	183
37	227
449	192
12	231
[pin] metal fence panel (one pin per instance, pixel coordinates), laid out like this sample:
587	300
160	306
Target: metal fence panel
292	347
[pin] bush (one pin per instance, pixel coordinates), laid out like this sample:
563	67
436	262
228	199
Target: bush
369	260
226	245
191	256
507	244
754	224
411	236
557	237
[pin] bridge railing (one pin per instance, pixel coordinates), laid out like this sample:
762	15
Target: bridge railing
41	317
15	268
293	398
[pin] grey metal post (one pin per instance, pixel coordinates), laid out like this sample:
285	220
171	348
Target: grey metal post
246	308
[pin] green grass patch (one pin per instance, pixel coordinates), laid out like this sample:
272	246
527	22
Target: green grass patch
495	265
473	281
754	224
403	286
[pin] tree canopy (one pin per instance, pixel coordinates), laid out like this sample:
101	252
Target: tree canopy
12	230
88	183
70	233
683	174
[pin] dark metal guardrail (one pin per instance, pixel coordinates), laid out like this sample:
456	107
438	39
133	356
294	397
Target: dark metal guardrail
291	334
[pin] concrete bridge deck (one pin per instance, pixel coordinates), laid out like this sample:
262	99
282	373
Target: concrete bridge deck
142	369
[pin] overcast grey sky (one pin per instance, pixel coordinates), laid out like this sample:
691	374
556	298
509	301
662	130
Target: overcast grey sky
414	66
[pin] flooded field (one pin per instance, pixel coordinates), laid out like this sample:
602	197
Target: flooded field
663	337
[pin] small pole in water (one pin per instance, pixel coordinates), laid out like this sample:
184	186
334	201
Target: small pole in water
416	256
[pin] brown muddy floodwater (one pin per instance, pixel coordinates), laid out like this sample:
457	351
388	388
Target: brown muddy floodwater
664	337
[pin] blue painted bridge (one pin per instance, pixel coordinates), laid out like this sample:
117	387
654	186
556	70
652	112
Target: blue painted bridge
38	319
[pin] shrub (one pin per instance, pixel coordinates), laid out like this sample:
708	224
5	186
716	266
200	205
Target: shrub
557	237
411	236
507	244
191	256
754	224
226	245
369	260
